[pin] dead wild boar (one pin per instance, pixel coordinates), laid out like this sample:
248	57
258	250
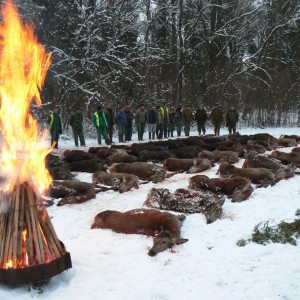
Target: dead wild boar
122	181
225	156
256	175
143	170
259	161
72	191
60	173
89	166
163	226
77	155
187	201
154	156
237	188
186	151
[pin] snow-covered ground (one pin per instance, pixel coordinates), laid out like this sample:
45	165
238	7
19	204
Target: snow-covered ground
113	266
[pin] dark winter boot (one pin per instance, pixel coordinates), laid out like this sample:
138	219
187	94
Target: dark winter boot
153	135
107	141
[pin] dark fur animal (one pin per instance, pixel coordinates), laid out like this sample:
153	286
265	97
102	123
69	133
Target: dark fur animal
143	170
89	166
187	201
163	226
121	181
237	188
154	156
256	175
77	155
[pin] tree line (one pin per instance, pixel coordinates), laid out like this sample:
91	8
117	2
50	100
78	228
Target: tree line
244	53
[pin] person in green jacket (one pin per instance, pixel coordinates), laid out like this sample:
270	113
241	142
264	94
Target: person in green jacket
55	127
76	122
100	122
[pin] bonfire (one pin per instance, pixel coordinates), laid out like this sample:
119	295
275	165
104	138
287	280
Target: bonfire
30	250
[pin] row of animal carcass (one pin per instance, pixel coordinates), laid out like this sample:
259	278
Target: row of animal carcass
235	182
203	194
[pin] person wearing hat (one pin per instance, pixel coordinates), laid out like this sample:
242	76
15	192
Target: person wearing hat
100	123
55	127
76	122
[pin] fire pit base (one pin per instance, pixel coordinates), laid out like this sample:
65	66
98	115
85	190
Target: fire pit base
36	273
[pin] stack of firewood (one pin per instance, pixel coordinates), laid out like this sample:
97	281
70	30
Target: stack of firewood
27	236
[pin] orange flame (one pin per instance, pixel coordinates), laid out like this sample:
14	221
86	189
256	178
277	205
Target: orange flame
23	67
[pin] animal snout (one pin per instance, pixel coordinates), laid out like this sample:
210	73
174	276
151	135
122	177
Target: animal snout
152	253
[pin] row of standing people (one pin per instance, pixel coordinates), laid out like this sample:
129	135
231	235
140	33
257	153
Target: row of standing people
161	120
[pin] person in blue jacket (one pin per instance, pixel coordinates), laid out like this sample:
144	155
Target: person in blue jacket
121	120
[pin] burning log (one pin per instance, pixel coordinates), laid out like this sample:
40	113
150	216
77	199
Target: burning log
29	241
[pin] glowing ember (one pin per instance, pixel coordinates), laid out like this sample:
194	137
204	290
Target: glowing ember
23	67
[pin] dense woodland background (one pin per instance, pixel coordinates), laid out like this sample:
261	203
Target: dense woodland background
245	53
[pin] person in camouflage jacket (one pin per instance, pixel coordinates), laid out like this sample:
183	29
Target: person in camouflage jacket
76	122
232	118
216	117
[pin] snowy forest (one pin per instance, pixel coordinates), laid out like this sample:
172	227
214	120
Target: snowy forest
244	53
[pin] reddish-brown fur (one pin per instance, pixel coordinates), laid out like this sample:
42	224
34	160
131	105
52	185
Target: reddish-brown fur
143	221
143	170
256	175
258	161
238	188
292	157
186	164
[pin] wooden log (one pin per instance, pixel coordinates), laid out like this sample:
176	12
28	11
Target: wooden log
28	225
53	233
50	240
3	226
36	240
8	241
14	236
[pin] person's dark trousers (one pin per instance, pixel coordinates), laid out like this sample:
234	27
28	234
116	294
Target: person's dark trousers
78	133
232	128
217	130
171	130
201	127
54	138
110	131
165	129
140	130
187	128
159	131
128	133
